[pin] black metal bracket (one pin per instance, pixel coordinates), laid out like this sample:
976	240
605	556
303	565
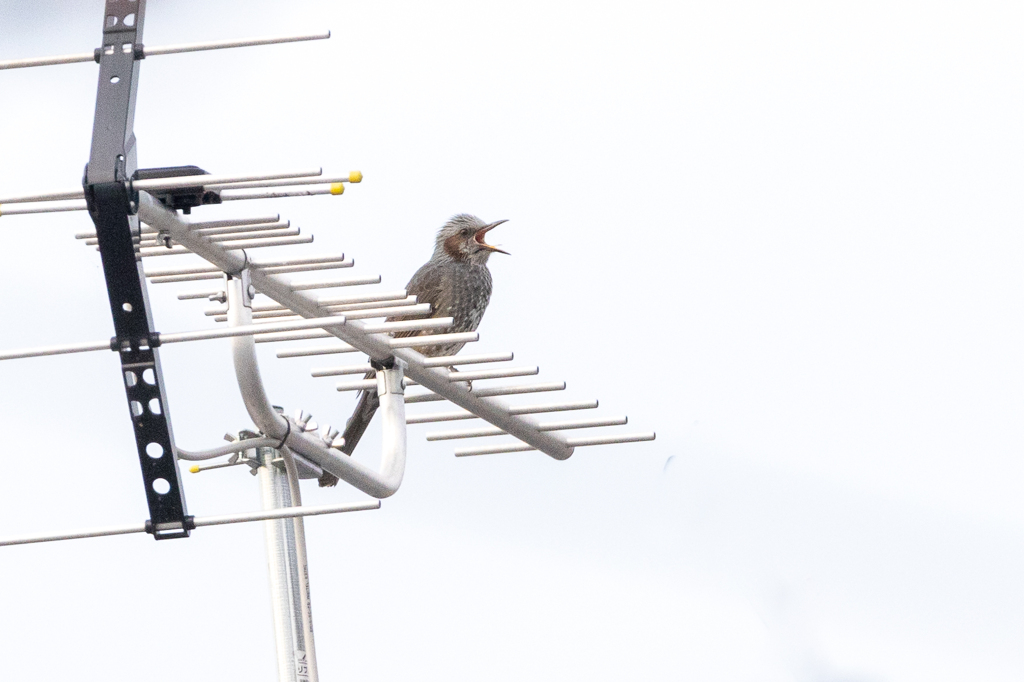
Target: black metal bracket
386	363
179	198
112	205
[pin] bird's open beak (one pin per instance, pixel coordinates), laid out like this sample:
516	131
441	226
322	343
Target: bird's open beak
479	237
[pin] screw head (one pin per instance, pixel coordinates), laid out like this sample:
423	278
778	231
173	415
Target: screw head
252	291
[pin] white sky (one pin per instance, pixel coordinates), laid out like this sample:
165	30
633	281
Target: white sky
786	236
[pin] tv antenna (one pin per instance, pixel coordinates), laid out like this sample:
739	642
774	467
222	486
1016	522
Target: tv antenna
142	214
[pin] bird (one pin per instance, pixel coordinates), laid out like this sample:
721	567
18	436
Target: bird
457	284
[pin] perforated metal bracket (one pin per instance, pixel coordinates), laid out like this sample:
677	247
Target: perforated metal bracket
112	206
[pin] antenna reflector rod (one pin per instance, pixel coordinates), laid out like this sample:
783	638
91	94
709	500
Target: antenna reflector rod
360	298
232	222
371	310
494	373
552	426
335	189
403	302
283	513
324	265
408	325
354	176
609	440
235	229
265	335
253	329
376	311
273	333
489	392
434	340
519	410
408	342
212	224
206	180
261	233
368	385
340	371
177	249
46	208
65	195
571	442
309	260
445	361
516	390
216	274
55	350
77	58
317	350
207	293
162	183
332	283
262	311
82	57
452	360
225	44
200	335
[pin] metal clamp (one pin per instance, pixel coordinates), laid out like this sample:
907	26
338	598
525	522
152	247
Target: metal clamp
171	529
390	376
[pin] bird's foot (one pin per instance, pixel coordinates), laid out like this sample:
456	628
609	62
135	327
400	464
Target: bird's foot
452	368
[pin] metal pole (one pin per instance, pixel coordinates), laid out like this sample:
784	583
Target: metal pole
289	573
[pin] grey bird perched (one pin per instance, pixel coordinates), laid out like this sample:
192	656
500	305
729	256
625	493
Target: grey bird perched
457	284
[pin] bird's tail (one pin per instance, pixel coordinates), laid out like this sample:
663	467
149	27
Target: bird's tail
366	407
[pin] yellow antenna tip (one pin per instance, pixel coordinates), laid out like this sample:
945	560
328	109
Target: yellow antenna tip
355	176
194	468
337	188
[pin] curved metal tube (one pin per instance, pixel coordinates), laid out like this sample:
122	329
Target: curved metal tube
247	371
237	446
391	392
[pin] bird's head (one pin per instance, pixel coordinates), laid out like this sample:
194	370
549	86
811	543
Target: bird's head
462	239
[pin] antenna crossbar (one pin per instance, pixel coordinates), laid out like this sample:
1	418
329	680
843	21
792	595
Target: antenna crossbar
369	339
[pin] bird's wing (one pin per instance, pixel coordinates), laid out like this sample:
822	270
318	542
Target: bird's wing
428	285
